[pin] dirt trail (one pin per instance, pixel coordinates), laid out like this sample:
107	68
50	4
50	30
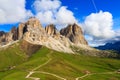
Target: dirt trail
34	71
50	74
41	65
47	73
94	74
81	77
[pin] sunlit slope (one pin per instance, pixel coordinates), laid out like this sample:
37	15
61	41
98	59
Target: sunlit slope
11	56
46	64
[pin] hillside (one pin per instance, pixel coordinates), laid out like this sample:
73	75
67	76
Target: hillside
47	64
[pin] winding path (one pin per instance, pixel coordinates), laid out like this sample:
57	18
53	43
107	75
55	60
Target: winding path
50	74
34	71
43	72
81	77
94	74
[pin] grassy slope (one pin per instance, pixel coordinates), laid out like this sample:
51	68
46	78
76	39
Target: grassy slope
68	66
11	56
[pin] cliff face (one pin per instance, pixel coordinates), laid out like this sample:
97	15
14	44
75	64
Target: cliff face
74	33
51	29
33	32
14	32
21	29
8	37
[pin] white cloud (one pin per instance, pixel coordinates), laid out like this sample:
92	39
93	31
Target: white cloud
51	11
46	17
44	5
99	25
12	11
117	32
65	16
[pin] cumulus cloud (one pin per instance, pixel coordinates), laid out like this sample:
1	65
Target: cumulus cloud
117	32
51	11
13	11
99	25
64	16
46	17
99	28
44	5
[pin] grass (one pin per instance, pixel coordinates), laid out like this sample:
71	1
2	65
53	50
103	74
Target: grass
103	77
68	66
44	76
18	75
11	56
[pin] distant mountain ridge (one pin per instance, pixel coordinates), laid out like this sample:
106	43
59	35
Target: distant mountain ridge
110	46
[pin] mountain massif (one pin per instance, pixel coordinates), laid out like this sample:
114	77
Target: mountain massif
69	39
33	32
32	52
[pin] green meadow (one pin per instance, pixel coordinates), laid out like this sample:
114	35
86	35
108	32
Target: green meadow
47	64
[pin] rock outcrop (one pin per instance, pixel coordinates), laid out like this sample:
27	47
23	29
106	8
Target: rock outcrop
29	48
48	37
2	37
14	33
74	33
21	30
2	33
33	32
51	29
8	36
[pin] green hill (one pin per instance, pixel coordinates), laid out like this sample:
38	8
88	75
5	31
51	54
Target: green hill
47	64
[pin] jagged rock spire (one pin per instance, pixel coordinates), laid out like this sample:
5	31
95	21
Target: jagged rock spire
33	32
74	33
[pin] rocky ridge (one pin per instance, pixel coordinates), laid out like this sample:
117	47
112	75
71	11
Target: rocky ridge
74	34
33	32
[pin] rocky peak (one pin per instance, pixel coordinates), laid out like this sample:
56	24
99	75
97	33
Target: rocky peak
2	37
30	27
51	30
76	29
74	33
14	32
2	33
34	22
6	37
21	29
33	32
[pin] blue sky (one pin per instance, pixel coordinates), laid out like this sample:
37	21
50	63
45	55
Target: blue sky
80	11
82	8
85	7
